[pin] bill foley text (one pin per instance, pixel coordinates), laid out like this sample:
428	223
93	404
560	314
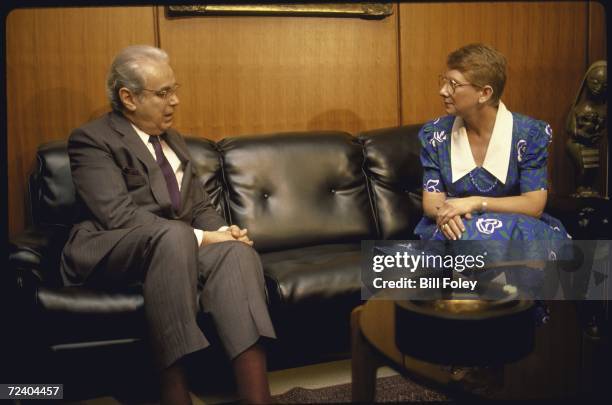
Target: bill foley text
427	283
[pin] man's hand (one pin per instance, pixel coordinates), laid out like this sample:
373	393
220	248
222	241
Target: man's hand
240	234
216	237
226	233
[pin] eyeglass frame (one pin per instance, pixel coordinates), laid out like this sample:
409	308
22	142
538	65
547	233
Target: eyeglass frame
165	94
453	84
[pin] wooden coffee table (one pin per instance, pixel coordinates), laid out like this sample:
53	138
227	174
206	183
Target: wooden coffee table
373	345
550	371
373	328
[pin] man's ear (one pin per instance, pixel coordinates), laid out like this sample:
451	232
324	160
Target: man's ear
127	98
487	93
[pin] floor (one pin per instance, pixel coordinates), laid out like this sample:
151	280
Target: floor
313	376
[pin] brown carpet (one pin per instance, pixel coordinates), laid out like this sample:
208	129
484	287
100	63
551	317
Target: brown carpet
388	389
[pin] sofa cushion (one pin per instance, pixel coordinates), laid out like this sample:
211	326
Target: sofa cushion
313	275
297	189
79	315
393	167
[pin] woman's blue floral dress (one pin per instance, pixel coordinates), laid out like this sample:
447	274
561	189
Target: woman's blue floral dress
524	141
526	172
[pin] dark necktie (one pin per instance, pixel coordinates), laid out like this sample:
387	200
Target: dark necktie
171	183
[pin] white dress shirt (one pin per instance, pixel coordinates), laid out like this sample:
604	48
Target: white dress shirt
177	168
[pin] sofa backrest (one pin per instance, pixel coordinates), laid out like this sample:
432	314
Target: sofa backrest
298	189
289	189
51	193
208	166
394	171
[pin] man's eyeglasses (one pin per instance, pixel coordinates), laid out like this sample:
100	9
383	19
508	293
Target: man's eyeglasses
452	84
165	94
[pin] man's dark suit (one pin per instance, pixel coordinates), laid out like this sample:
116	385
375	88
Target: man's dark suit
129	231
123	187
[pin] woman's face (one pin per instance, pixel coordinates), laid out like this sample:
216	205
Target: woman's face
460	97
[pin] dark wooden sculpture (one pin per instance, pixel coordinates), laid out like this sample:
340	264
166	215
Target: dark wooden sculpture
586	126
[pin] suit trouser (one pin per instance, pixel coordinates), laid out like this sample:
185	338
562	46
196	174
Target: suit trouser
165	256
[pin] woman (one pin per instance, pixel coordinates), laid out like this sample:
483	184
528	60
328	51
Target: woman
484	167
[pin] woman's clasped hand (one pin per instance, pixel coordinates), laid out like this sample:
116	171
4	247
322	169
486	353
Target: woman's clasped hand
450	213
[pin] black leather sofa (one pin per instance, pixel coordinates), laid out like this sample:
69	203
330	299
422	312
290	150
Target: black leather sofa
308	200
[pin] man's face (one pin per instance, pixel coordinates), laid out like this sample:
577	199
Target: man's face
154	108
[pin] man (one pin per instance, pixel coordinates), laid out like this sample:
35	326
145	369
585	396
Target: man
148	218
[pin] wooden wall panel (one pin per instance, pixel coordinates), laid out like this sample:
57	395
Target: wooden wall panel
246	75
597	32
598	51
544	42
57	61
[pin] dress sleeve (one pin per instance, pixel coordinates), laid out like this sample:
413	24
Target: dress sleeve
432	176
532	154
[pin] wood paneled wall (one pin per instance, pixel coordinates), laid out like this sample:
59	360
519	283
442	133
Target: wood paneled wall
597	51
57	60
252	75
545	44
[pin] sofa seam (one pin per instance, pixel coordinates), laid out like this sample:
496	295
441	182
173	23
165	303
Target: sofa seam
224	183
33	212
369	188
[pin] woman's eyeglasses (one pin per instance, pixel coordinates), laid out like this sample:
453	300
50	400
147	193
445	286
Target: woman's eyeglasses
452	84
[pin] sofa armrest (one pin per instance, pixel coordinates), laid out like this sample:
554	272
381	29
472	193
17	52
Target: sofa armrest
35	253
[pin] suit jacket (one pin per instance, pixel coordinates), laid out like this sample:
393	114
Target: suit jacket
121	186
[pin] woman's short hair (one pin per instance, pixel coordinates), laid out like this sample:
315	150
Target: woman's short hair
482	65
127	71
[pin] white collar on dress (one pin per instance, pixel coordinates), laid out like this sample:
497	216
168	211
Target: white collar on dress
497	158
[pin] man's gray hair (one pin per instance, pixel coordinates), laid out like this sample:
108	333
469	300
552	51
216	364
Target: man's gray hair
126	71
